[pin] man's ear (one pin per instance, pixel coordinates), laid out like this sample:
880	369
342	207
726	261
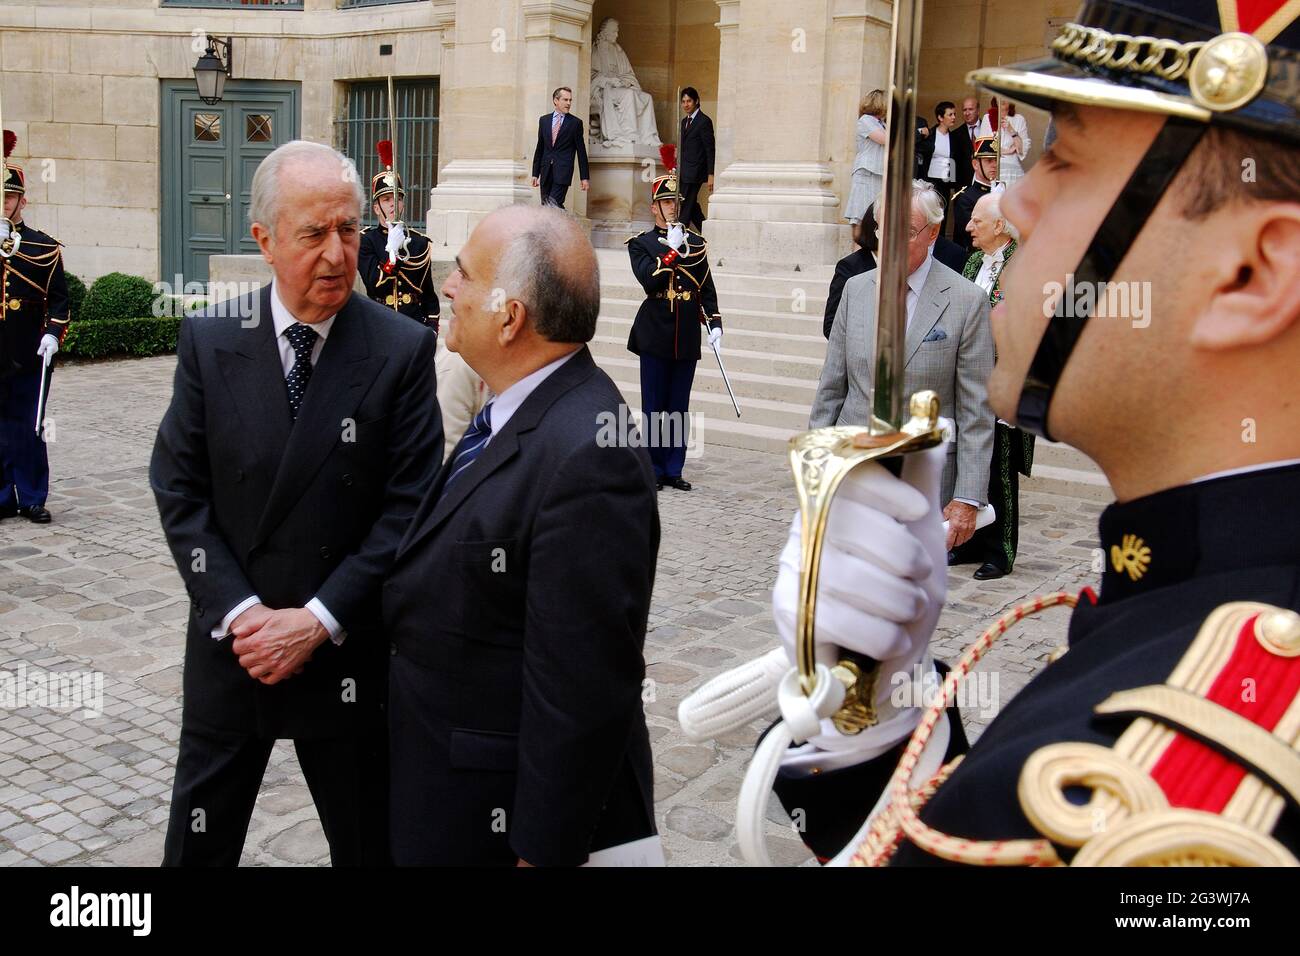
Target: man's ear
516	315
265	241
1256	298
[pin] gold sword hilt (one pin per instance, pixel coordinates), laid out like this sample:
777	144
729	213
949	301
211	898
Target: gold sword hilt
820	460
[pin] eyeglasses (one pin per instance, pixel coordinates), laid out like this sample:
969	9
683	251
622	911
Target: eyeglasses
911	237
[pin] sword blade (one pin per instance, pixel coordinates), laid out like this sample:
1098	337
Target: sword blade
40	398
887	404
726	381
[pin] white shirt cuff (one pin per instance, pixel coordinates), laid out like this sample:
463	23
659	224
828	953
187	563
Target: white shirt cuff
974	504
223	629
331	624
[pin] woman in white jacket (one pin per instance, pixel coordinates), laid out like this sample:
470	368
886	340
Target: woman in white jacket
869	164
1015	142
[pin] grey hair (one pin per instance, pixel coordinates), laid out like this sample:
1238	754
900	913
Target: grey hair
924	197
995	210
264	203
562	306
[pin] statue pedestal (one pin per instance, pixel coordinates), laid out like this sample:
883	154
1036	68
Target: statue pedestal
618	202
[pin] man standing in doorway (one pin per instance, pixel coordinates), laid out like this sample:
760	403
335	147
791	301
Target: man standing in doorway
695	166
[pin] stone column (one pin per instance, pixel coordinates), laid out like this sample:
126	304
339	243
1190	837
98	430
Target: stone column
557	52
790	76
478	146
499	65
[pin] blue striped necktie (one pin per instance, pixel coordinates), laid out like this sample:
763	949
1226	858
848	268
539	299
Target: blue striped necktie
470	446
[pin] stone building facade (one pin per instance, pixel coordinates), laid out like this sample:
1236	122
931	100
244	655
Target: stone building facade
101	95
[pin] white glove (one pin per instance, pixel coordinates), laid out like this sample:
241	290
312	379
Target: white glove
882	583
11	236
715	336
677	237
49	345
396	239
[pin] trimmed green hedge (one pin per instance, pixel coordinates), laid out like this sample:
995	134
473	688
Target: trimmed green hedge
76	295
116	296
138	337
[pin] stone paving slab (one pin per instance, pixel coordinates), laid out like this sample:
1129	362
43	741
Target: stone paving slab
96	592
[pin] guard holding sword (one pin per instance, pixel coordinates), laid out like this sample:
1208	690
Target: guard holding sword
33	323
671	263
1164	734
394	260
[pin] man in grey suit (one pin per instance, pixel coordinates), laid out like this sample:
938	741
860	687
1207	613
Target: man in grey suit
949	349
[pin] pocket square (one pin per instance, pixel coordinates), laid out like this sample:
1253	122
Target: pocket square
936	335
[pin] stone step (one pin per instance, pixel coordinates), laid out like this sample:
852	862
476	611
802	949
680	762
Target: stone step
617	263
811	301
623	366
739	336
807	324
737	361
786	418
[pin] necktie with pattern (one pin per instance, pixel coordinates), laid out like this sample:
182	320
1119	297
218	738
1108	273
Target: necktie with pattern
555	127
302	338
471	445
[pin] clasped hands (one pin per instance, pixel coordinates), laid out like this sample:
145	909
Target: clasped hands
274	645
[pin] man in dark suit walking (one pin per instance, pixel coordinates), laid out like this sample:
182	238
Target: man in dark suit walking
559	136
302	431
963	140
695	165
515	704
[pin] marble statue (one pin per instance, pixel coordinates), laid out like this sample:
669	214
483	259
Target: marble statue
622	113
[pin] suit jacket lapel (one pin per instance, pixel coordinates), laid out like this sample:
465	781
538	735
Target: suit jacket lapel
255	377
929	308
437	508
343	374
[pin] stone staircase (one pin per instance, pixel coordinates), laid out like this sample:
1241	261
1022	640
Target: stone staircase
773	349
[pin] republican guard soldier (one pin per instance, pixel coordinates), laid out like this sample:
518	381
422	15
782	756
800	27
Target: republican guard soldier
671	263
395	261
984	162
1168	732
33	323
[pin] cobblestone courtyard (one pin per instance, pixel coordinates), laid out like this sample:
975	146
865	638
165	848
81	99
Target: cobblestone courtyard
96	591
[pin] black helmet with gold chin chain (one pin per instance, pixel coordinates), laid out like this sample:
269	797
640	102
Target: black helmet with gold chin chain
1202	64
1229	62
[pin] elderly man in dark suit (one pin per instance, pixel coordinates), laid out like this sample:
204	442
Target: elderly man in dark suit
518	735
302	431
949	349
559	136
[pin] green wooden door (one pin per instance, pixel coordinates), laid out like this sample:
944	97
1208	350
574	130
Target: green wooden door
209	156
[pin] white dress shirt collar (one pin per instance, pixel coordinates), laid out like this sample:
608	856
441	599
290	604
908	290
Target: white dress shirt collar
916	282
1246	469
507	403
283	318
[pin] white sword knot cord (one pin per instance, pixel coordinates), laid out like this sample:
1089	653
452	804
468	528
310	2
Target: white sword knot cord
801	718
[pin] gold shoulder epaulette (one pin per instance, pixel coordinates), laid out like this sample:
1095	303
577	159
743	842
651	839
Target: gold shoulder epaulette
1202	774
